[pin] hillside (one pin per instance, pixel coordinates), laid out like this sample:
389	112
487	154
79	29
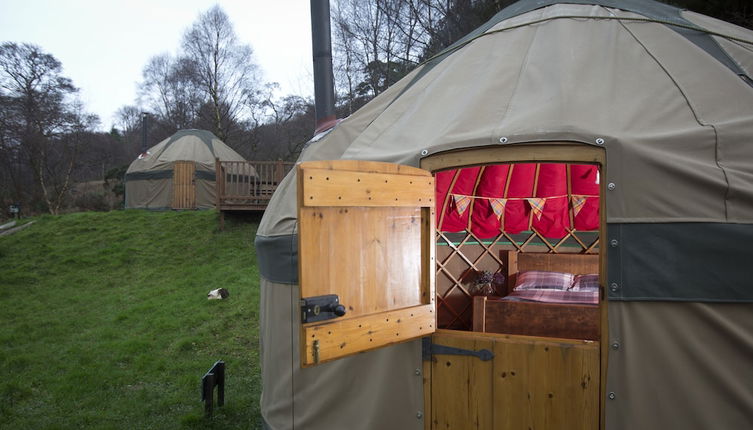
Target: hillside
104	321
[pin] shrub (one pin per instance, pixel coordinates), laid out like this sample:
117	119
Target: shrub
92	202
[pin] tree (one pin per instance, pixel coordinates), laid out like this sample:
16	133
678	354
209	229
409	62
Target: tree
42	124
222	69
170	91
281	125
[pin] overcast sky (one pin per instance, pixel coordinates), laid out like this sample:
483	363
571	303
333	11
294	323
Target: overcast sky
105	44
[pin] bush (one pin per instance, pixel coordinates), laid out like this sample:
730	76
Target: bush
92	202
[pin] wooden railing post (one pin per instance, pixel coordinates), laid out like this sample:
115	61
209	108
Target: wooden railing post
279	174
217	181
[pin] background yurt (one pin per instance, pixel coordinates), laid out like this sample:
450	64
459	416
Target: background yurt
607	142
177	173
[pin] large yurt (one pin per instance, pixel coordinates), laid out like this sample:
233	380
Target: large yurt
545	226
178	172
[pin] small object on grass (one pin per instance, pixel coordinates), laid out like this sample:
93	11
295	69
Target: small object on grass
218	294
215	377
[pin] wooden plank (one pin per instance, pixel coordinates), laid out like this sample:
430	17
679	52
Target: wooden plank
323	188
569	321
515	153
184	188
341	337
543	384
462	385
479	313
428	256
219	188
510	258
370	257
578	264
191	187
364	166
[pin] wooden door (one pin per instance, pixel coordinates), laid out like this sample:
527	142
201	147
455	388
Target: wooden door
530	383
184	185
366	236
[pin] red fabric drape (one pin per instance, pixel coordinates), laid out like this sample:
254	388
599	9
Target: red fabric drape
481	186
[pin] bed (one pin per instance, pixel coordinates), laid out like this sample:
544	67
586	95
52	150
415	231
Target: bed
563	314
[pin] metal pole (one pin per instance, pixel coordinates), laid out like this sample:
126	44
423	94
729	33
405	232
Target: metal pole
324	86
144	117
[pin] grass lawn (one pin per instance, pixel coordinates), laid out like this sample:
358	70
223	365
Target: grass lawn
104	321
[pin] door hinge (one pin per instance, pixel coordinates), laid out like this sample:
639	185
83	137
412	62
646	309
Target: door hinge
429	349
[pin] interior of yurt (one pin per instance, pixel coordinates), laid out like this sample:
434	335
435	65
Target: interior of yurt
545	226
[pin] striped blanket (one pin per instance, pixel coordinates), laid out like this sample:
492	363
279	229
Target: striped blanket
588	297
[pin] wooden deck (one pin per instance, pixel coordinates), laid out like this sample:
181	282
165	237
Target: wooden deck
247	185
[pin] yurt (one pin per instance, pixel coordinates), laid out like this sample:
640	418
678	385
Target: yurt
546	226
177	173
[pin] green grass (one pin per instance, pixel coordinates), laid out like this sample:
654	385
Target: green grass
104	321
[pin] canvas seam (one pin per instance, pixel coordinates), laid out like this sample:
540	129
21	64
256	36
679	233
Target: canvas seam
696	116
510	101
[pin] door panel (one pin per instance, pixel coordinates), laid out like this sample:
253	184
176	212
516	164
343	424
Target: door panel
532	382
184	186
462	388
366	234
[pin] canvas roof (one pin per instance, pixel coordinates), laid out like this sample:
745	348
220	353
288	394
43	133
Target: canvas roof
670	109
201	146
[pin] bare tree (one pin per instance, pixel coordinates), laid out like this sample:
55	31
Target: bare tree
169	90
221	68
376	44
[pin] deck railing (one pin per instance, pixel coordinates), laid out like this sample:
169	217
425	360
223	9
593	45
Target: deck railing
248	185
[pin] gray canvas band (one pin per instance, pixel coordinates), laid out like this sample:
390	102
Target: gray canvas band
202	174
277	258
692	262
140	176
166	174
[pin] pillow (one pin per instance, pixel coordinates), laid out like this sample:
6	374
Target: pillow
537	280
588	282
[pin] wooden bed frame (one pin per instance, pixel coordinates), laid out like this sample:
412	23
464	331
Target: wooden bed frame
569	321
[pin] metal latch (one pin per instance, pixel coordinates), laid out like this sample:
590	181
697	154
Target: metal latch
321	308
429	349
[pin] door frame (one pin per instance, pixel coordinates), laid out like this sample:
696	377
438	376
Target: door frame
544	152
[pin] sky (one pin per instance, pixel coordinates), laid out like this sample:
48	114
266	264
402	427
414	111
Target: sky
105	44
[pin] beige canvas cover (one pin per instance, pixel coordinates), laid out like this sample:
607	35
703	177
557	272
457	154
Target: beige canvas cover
149	177
677	126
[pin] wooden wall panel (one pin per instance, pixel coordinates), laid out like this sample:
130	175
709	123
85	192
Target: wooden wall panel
371	256
531	383
546	384
184	187
462	396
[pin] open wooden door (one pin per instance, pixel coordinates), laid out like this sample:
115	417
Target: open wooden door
366	256
184	185
514	371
